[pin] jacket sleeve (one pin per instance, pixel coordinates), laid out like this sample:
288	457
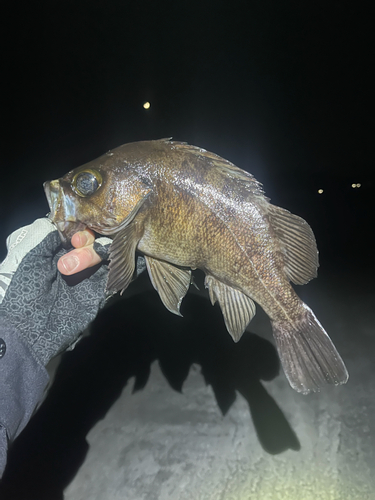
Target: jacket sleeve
23	380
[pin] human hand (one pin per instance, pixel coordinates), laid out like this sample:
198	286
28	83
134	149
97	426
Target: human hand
44	309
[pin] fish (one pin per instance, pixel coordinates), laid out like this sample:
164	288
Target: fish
185	208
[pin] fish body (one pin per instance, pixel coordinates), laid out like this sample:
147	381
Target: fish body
186	208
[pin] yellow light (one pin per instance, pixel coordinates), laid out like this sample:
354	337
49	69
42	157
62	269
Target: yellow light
146	105
354	185
358	185
320	191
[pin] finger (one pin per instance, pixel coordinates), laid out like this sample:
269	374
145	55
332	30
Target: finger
78	260
83	238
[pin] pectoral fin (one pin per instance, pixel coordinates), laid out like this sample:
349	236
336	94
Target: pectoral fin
170	281
237	308
122	258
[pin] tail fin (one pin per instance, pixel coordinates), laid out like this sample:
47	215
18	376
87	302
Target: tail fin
308	356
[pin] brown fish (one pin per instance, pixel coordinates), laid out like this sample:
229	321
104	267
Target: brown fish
186	208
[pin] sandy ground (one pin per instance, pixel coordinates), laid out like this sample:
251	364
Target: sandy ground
153	406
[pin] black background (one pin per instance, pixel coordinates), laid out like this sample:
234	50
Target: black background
282	89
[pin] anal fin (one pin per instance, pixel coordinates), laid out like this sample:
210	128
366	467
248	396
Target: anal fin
237	308
171	282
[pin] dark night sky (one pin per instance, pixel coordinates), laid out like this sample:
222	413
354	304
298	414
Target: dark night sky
282	89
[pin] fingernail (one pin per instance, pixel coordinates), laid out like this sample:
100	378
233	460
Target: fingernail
82	238
70	262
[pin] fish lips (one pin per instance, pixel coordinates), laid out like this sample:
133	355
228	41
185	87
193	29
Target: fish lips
62	212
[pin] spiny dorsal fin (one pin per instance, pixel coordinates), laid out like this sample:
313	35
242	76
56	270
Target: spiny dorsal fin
237	308
225	166
297	243
170	281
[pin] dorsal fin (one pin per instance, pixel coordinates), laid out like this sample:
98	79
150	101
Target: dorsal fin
227	168
298	245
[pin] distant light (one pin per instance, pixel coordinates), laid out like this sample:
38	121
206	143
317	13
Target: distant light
146	105
320	191
358	185
354	185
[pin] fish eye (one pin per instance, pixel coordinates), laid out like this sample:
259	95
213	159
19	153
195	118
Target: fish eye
87	182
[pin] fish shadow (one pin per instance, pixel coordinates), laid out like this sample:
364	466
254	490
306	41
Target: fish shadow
126	338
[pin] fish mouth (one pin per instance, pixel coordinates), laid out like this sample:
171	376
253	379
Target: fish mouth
62	212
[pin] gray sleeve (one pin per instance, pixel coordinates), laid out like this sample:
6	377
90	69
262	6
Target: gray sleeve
23	381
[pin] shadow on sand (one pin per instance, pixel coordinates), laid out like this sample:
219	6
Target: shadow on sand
126	338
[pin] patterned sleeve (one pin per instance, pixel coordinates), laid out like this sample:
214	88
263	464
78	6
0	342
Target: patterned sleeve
23	381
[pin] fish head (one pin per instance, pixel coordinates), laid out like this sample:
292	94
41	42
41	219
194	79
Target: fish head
102	195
